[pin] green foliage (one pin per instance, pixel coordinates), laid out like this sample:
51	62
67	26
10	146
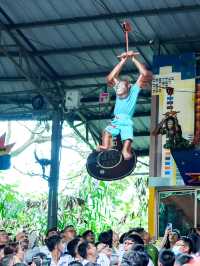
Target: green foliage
85	202
17	212
98	205
101	205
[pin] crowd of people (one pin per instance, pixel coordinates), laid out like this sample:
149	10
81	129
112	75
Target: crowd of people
67	248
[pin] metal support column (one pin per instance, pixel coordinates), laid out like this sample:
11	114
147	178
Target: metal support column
56	138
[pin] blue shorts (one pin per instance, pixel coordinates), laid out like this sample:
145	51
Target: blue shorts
123	125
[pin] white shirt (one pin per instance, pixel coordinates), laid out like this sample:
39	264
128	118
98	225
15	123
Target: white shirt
150	262
103	260
63	261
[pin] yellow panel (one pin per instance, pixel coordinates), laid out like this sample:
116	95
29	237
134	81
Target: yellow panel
165	70
151	211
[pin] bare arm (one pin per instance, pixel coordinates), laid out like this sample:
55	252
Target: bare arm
164	240
113	76
145	75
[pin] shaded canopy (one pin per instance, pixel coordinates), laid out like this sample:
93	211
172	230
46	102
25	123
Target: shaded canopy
48	47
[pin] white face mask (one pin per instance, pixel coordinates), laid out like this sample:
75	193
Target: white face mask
176	250
120	88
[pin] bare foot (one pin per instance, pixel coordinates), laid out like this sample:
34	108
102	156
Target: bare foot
102	148
127	155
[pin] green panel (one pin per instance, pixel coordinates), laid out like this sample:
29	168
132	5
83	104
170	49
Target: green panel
176	208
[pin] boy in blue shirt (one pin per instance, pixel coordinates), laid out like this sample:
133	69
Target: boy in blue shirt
126	97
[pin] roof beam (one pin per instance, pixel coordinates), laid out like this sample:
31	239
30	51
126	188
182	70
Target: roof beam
91	99
81	49
104	47
120	15
107	116
143	93
71	76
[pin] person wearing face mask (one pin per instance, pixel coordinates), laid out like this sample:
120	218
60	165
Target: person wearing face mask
126	97
183	246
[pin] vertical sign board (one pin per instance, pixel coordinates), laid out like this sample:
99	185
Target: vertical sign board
179	73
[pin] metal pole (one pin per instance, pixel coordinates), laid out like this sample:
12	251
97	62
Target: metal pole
54	171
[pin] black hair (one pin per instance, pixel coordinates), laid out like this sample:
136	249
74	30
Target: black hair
2	247
84	235
189	242
166	257
51	230
106	238
52	241
122	237
182	259
196	241
138	230
167	243
8	250
138	247
135	258
91	264
82	249
135	238
72	246
37	259
75	263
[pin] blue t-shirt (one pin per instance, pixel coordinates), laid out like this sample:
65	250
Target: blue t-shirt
127	105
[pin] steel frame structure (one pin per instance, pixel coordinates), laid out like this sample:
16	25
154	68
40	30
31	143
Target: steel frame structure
119	15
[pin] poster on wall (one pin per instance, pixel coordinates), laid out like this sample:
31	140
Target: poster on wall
174	85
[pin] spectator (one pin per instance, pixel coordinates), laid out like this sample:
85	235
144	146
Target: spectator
75	263
166	258
152	251
183	246
170	238
88	252
8	260
114	260
115	240
22	236
135	258
89	236
56	247
68	234
28	253
132	240
72	248
196	241
182	259
104	254
50	232
4	238
20	252
194	261
40	259
106	238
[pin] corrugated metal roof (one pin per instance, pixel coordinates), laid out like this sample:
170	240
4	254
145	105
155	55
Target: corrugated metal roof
73	44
